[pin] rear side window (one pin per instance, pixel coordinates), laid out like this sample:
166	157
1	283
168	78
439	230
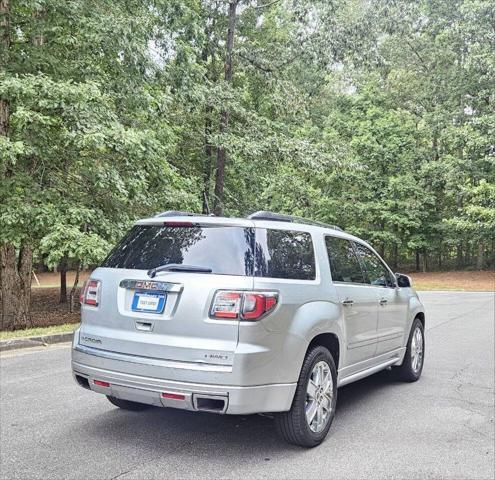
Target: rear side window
284	254
226	250
344	263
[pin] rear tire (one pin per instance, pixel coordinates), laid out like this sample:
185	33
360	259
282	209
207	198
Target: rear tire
127	404
413	362
313	409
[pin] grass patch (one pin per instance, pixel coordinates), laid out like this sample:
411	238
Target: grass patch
37	331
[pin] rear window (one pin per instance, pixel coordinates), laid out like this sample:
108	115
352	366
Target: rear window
226	250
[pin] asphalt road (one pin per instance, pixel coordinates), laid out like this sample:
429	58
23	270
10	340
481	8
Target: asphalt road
439	427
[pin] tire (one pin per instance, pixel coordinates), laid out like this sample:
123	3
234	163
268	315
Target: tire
410	370
127	404
293	425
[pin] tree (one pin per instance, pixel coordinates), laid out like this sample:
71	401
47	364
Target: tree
15	268
377	116
81	143
224	114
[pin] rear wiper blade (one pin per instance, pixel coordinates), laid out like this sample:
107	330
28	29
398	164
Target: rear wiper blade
177	267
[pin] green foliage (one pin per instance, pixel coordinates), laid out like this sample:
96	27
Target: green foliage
377	116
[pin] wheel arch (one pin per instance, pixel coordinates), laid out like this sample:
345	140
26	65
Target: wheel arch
331	342
421	317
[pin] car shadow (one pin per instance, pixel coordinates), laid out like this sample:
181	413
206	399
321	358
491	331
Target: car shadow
364	391
159	429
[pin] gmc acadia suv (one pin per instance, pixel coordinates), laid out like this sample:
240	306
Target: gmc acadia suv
232	315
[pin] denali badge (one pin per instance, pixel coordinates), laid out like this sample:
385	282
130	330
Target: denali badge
90	339
216	356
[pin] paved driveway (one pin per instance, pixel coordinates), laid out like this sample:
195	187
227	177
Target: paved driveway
440	427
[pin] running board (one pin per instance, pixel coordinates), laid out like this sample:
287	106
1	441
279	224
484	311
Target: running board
368	371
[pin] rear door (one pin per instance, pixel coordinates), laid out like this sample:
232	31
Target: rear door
392	301
359	301
167	317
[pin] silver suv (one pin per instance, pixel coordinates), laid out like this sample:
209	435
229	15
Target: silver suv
232	315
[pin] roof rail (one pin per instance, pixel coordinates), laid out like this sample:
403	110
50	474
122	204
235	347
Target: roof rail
279	217
178	213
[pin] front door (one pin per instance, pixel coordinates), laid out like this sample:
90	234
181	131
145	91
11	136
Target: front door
392	301
359	302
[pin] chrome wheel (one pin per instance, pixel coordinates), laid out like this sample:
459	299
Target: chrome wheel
319	397
417	347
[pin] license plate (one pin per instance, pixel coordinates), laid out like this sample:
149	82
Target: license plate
150	302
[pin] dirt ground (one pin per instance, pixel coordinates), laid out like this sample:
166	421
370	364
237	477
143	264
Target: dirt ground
45	307
467	281
46	310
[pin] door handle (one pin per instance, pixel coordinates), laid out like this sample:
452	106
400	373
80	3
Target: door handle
348	303
383	301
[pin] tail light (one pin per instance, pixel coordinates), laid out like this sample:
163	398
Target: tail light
249	306
90	293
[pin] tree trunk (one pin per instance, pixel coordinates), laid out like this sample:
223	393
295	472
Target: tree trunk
434	146
4	117
208	125
224	114
74	288
15	284
417	261
63	280
480	259
459	255
395	256
208	162
467	255
425	262
4	57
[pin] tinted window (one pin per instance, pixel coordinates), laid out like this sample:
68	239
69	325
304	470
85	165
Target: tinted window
226	250
376	271
284	254
344	263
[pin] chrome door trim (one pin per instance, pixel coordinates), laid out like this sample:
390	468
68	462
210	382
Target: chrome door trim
385	360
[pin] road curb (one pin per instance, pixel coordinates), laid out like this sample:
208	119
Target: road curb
41	340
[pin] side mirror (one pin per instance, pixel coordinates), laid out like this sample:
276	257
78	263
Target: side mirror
403	281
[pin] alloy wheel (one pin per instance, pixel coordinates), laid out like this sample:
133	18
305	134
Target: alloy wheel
417	346
319	397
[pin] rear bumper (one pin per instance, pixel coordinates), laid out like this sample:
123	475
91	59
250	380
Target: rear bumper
229	399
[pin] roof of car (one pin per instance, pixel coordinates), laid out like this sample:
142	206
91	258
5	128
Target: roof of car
260	219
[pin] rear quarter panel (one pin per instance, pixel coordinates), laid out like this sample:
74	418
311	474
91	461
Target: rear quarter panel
282	340
305	309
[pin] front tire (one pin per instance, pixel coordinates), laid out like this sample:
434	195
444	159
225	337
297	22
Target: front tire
412	365
127	404
313	409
